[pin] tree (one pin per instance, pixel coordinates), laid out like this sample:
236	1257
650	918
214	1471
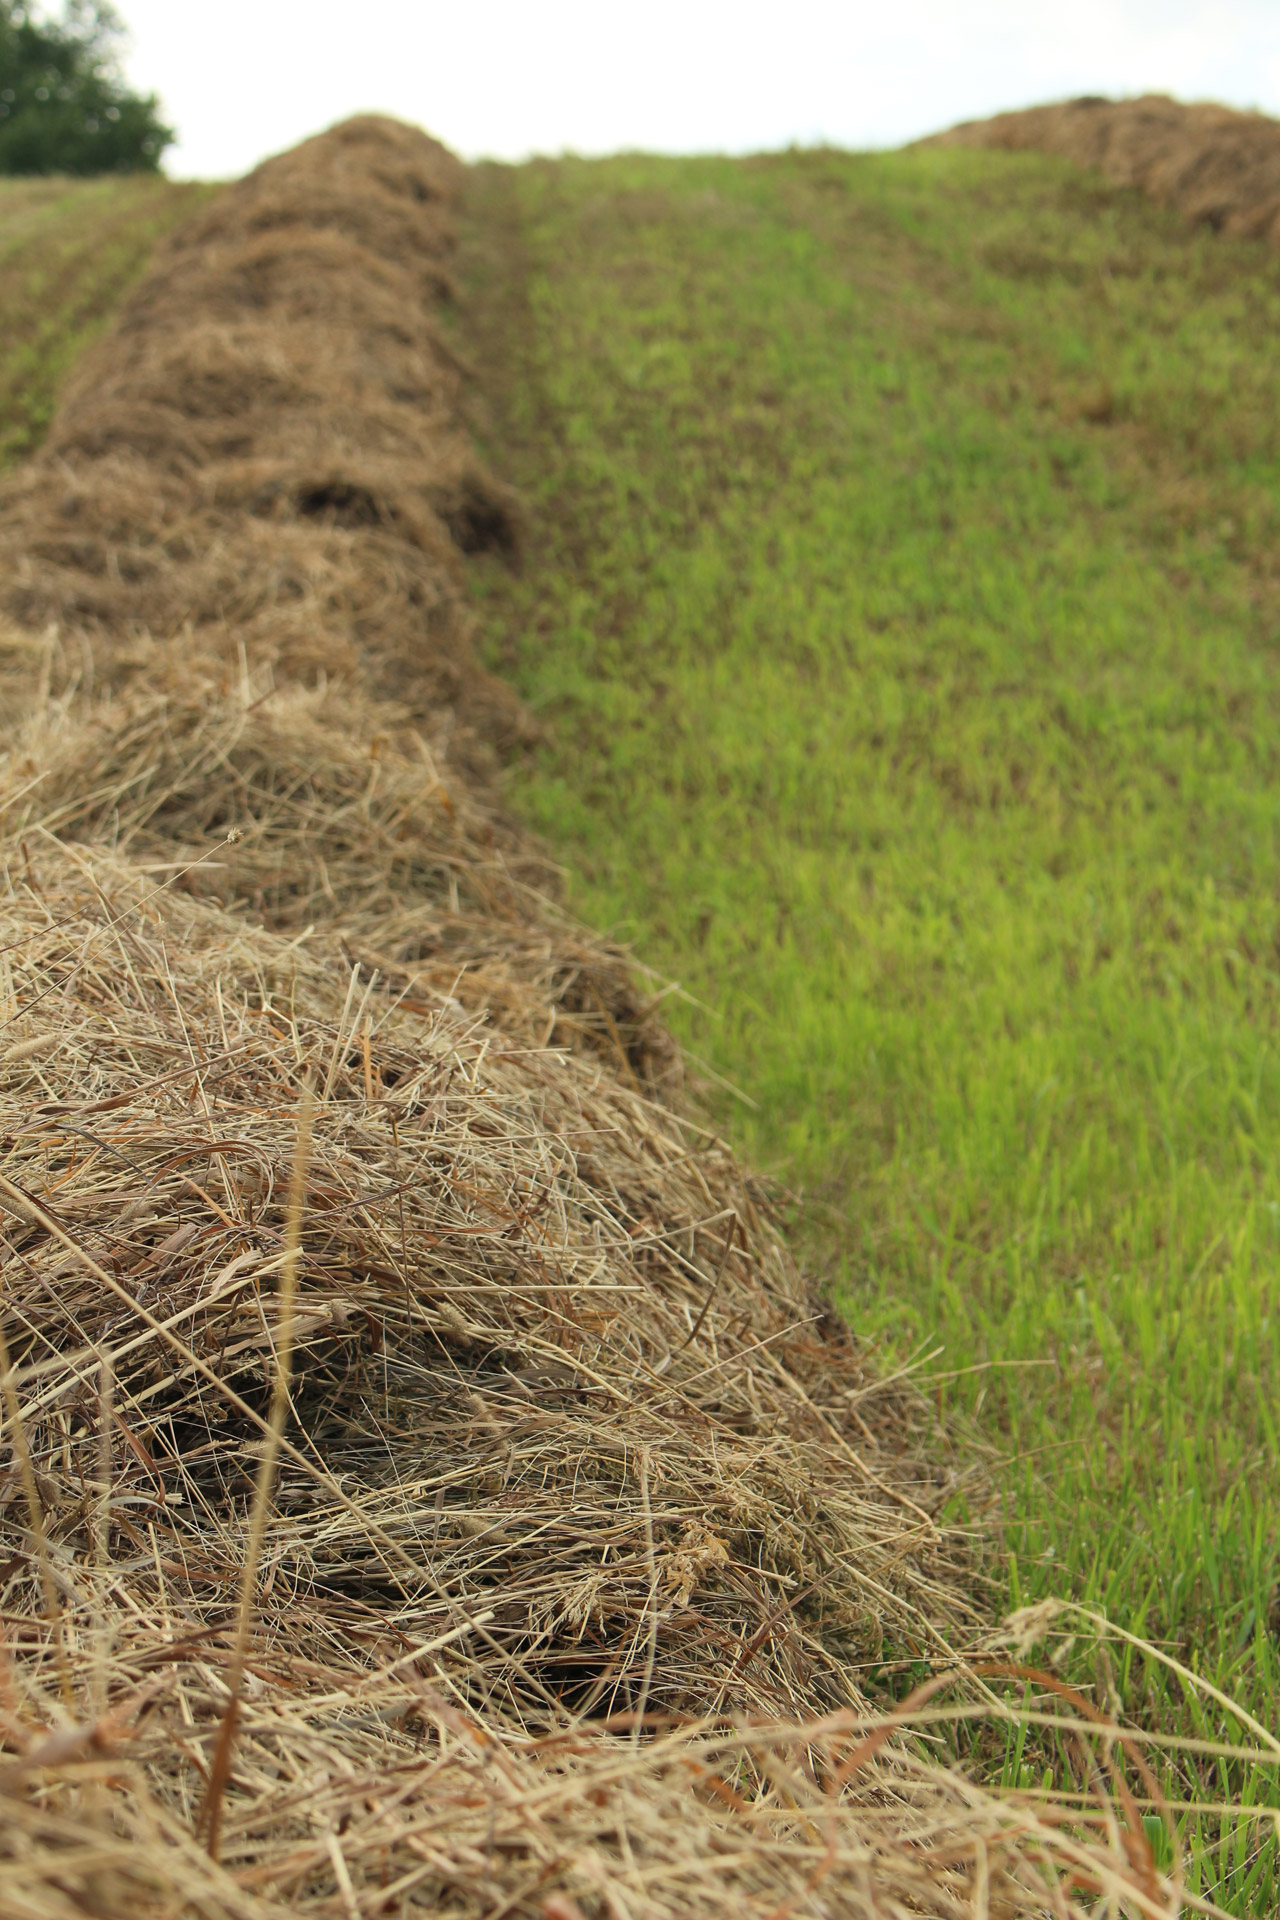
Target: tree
64	104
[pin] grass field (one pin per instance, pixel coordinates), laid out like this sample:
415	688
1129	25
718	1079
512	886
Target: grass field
904	608
903	603
69	252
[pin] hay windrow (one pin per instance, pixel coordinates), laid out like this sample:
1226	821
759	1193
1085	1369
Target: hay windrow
588	1517
267	445
1218	166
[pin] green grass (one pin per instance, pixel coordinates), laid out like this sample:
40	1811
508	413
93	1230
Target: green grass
904	604
69	252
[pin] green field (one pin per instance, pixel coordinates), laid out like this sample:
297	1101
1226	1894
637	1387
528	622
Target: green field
903	605
69	252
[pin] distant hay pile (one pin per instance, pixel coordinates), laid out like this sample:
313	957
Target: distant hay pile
1219	167
583	1516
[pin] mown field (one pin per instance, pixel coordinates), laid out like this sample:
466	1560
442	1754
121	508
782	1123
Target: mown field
69	252
902	602
903	606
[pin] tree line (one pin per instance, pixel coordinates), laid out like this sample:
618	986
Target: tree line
64	104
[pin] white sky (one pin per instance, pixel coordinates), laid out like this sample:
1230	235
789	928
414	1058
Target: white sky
506	78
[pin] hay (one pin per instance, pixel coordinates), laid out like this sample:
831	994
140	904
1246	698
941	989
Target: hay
586	1515
1219	167
268	442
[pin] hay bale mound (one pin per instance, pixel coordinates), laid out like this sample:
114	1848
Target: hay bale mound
268	443
1217	166
584	1516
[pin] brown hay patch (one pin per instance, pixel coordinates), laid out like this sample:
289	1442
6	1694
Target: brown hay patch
1219	167
586	1516
267	451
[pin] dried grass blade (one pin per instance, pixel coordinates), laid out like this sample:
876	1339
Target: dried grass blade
210	1820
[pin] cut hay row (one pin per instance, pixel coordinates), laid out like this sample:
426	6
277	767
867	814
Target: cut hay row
430	1485
1219	167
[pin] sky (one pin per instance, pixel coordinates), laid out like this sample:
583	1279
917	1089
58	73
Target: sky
507	78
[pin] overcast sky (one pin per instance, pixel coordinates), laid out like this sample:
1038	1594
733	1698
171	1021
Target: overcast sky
506	78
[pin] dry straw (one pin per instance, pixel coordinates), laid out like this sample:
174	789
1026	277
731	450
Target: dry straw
576	1516
1218	166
